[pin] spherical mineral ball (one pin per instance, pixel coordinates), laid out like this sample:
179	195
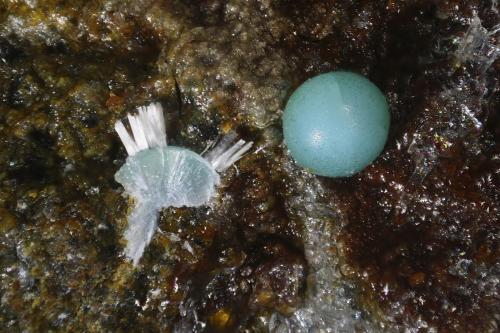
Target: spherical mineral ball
336	124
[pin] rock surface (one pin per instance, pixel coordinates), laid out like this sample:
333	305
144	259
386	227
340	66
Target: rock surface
412	242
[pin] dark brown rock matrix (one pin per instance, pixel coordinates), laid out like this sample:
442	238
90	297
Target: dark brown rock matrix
412	242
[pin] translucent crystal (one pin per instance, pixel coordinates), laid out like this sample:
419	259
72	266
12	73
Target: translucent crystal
168	177
158	176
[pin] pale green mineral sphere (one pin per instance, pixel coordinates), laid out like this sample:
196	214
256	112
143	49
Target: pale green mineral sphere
336	124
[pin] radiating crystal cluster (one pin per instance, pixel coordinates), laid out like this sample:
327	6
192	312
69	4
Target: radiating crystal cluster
157	175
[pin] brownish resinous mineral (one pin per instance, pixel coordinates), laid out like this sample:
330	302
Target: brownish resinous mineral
410	243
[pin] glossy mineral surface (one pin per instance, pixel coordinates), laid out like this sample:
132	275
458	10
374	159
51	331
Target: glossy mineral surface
168	177
335	124
410	243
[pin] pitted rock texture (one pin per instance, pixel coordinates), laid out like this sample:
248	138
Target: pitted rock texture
412	242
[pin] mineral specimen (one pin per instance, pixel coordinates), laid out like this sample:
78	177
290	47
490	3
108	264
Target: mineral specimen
410	243
336	124
159	176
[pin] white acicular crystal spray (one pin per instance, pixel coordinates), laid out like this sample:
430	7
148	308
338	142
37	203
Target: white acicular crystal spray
158	176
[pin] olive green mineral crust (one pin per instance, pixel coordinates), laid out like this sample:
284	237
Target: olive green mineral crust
409	243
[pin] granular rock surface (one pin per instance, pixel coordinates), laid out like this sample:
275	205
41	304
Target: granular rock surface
409	244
